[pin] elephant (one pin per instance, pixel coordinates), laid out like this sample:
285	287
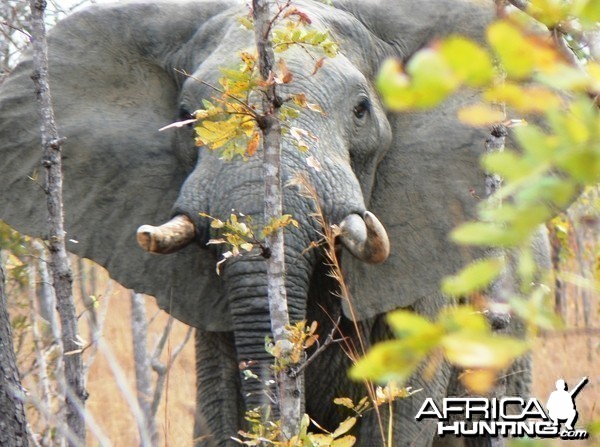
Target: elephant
118	74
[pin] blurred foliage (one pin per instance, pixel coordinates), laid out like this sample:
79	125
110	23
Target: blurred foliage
462	334
530	82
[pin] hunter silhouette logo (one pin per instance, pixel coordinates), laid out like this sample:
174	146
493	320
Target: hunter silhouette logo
561	403
507	416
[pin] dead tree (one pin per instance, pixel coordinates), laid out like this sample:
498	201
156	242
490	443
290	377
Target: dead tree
75	393
13	424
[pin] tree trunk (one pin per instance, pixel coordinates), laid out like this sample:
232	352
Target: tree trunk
75	393
291	392
13	425
143	379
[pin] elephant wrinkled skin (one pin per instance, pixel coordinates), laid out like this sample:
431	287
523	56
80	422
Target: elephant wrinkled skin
115	75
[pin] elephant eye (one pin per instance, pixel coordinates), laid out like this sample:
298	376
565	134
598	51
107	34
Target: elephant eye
362	108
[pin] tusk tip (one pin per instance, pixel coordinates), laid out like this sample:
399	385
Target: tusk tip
145	238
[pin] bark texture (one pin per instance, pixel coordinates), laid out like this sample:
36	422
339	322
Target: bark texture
75	393
290	388
143	379
13	425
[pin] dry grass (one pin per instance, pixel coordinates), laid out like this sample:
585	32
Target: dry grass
571	357
106	404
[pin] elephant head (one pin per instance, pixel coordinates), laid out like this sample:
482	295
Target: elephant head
115	75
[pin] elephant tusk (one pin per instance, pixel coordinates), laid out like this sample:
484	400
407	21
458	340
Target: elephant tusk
167	238
365	238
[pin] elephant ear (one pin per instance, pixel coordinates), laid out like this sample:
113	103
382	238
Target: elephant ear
430	180
111	76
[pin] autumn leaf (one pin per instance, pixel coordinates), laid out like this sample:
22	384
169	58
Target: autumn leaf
254	143
344	427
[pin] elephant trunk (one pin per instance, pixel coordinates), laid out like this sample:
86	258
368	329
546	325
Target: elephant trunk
365	237
246	288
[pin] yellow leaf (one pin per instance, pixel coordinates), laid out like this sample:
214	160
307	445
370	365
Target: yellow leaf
521	53
475	350
531	99
320	440
247	246
480	115
344	427
344	401
478	381
346	441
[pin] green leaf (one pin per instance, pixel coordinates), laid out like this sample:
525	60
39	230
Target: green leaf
508	164
406	323
463	318
590	12
476	276
394	86
549	12
485	234
432	77
393	360
471	63
537	311
535	142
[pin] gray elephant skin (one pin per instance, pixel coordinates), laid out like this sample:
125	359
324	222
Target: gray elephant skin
115	75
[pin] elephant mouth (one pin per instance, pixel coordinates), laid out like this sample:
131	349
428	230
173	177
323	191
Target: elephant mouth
364	236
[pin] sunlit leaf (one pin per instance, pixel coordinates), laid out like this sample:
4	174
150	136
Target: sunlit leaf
476	276
508	164
549	12
394	86
320	440
470	62
478	381
407	323
480	115
344	427
535	142
590	12
536	311
520	54
463	318
393	360
485	234
512	49
346	441
477	350
344	401
524	99
432	78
